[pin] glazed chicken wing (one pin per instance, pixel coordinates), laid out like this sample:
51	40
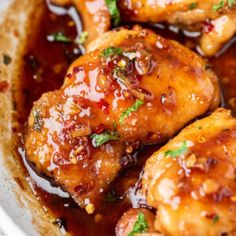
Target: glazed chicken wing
94	15
191	180
214	18
133	87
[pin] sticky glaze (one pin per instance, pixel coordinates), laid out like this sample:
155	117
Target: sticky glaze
73	219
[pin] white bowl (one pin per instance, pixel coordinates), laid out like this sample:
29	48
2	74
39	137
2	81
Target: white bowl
20	211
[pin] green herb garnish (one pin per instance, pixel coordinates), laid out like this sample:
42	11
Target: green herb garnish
38	123
114	125
131	109
100	139
111	197
221	4
114	11
231	2
110	51
140	225
174	153
207	67
6	59
118	73
83	37
58	37
192	6
215	219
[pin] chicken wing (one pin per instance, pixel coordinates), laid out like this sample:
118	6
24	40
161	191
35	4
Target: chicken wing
216	19
94	15
191	180
133	87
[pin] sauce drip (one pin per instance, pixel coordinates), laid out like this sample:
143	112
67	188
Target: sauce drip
44	69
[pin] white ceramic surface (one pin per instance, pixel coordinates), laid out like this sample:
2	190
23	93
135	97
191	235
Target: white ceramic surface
15	220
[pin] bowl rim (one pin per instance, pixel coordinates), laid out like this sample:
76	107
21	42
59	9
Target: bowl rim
8	226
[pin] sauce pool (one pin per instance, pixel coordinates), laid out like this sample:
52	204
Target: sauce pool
45	65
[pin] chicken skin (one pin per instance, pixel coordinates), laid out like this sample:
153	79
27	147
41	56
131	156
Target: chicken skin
191	180
94	15
127	222
214	18
133	88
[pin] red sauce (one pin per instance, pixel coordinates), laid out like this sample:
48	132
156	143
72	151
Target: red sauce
45	66
224	66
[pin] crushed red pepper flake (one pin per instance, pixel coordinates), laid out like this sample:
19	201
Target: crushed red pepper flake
76	69
207	27
104	106
69	75
100	129
4	86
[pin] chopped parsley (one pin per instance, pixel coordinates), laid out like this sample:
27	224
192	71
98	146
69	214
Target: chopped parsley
231	2
111	197
58	37
61	223
131	109
218	6
221	4
140	225
6	59
207	67
38	123
118	73
114	125
114	11
174	153
192	6
215	219
111	51
83	37
100	139
32	61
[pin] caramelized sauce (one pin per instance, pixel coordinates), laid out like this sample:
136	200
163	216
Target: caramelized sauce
46	62
44	69
224	65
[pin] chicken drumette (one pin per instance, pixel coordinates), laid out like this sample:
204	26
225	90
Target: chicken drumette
133	88
214	18
191	180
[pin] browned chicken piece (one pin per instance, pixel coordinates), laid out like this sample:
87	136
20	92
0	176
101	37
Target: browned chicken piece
191	180
134	87
134	221
215	18
94	15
